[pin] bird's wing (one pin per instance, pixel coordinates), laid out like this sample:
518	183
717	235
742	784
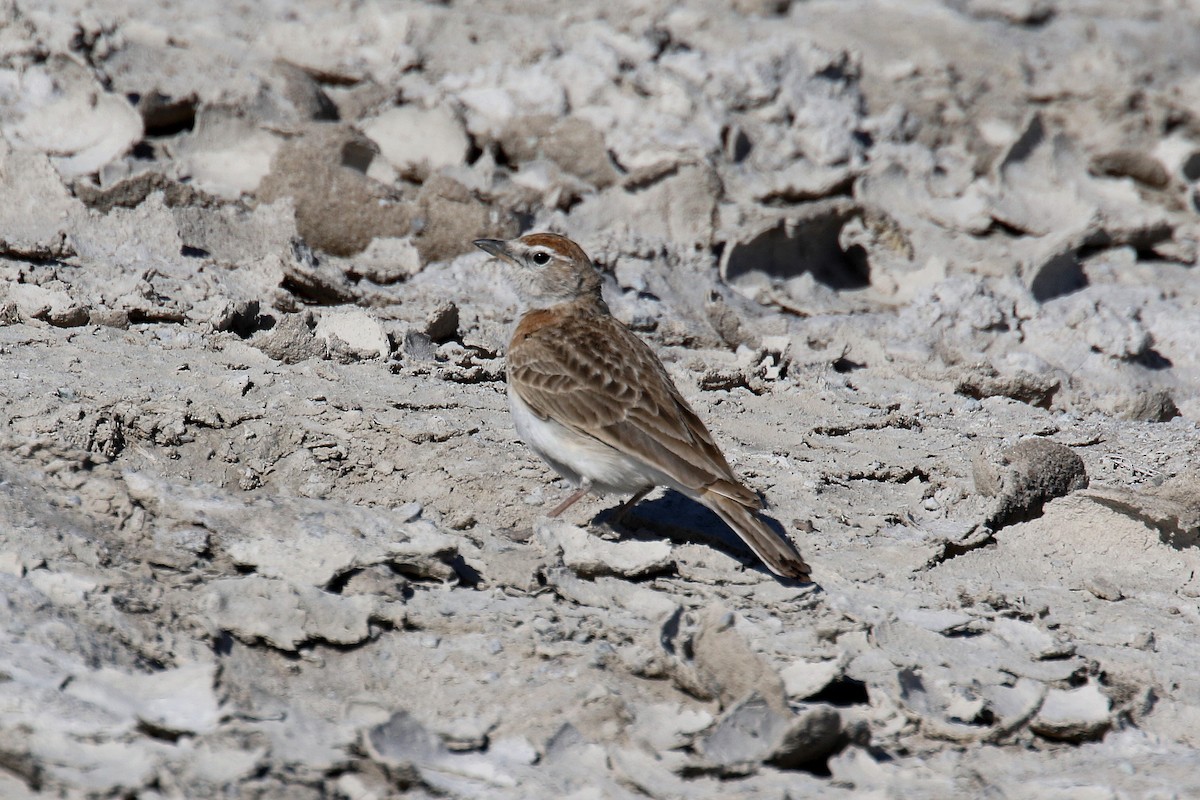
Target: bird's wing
593	375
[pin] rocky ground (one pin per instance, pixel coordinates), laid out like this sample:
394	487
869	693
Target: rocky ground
926	268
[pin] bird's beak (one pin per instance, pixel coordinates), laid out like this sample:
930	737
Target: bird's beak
497	248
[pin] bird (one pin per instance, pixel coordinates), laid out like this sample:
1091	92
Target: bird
593	400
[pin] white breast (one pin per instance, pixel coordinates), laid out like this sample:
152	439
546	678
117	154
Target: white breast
576	456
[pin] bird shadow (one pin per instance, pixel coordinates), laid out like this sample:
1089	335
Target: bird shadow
683	520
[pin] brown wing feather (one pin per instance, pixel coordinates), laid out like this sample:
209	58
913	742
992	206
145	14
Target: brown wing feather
592	374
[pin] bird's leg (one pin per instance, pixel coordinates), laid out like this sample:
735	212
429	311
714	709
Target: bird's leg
576	496
618	516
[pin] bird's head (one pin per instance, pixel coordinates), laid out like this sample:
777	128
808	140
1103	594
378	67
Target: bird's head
550	269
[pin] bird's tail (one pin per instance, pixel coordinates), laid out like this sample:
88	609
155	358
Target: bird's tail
779	554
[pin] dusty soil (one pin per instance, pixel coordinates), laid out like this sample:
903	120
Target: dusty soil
926	268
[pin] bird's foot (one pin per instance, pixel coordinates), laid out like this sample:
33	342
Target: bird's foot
615	523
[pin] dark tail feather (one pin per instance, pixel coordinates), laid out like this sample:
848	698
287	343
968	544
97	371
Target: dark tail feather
770	546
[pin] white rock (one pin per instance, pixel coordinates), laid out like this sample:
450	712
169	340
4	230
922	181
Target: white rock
1027	637
388	259
222	766
411	137
97	767
588	555
364	43
284	615
936	620
1013	706
13	788
1073	715
42	212
667	726
11	563
308	542
645	603
856	767
490	108
805	678
491	98
62	111
1174	151
64	588
1118	332
1020	12
308	740
177	700
678	208
357	328
515	749
607	592
751	731
227	155
465	733
403	740
37	301
648	773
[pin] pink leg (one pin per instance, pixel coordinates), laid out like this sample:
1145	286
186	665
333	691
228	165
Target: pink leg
620	513
575	497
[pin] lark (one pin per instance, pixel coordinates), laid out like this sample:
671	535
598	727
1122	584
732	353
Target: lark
595	402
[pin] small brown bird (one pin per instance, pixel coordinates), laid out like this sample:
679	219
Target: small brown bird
597	405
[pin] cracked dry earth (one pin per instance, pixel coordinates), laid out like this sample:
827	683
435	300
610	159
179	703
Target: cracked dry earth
925	268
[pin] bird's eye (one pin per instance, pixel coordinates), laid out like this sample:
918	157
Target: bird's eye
541	259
